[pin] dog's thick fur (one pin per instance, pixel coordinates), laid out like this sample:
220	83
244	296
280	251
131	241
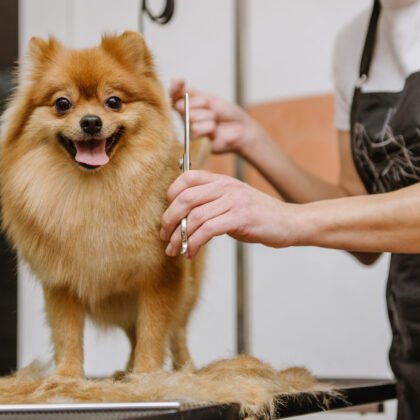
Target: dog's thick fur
92	236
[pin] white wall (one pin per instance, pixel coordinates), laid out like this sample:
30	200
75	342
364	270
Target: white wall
310	306
291	45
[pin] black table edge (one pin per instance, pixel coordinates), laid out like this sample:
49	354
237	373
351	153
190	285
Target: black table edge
346	393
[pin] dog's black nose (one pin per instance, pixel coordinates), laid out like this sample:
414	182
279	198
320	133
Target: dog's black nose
91	124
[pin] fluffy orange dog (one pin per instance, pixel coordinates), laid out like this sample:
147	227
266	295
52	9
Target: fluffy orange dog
88	153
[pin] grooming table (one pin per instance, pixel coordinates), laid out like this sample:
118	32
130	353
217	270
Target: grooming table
356	392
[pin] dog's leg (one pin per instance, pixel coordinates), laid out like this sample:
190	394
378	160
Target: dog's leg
154	321
119	375
66	318
131	334
178	339
193	272
179	349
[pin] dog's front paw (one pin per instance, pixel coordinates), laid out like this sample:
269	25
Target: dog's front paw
120	375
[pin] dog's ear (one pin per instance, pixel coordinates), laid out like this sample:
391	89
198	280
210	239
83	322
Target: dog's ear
130	49
42	51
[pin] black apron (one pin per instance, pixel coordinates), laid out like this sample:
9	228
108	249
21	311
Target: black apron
385	137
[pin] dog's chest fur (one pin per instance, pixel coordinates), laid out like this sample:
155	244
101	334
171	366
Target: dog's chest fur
96	235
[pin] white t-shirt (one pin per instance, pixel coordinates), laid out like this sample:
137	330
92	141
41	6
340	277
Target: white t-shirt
396	54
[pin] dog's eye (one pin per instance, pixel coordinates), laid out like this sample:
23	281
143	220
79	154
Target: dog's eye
113	102
62	105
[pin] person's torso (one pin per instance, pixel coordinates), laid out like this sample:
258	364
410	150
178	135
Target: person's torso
385	123
396	54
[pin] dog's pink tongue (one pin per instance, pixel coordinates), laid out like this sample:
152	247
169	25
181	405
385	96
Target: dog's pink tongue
91	153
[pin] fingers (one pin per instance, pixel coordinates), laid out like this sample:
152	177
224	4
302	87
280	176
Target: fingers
203	129
208	230
184	203
191	179
202	117
198	194
203	122
202	114
195	219
197	101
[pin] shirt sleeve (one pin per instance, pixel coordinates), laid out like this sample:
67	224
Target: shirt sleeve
347	52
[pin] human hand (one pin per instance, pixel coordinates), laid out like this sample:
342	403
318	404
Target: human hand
217	204
230	127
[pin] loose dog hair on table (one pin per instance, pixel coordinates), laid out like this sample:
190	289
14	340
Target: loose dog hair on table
244	380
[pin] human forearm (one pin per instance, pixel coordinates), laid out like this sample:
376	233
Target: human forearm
387	222
292	182
298	186
217	204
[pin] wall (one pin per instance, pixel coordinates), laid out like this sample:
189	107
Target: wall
309	306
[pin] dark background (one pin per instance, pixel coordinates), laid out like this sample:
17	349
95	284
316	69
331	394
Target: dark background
8	277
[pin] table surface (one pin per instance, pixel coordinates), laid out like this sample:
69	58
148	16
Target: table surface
354	392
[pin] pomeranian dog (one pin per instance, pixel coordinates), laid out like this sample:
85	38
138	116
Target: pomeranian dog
88	153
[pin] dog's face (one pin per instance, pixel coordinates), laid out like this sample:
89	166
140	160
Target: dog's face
90	104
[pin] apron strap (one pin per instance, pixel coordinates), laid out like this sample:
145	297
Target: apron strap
370	42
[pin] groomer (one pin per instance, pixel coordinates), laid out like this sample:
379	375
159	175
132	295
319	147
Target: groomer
376	205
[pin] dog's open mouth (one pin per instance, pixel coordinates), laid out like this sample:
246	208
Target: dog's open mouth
91	154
